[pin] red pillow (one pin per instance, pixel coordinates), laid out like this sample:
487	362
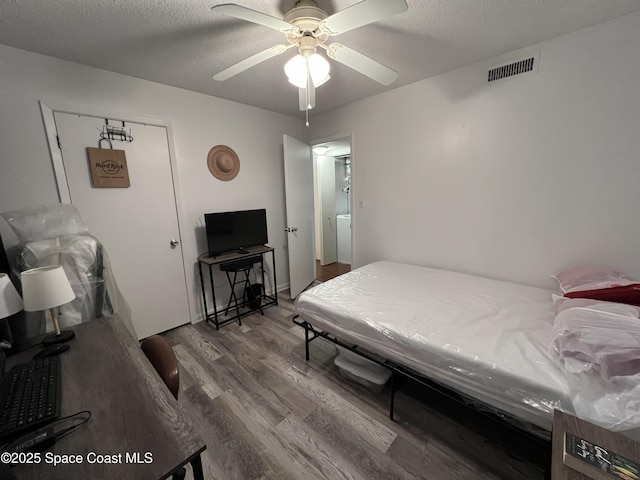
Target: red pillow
623	294
598	284
564	303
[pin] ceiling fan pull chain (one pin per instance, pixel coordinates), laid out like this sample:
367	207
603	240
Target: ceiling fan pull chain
307	102
307	93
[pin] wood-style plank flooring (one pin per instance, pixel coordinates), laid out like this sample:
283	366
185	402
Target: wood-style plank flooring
266	414
327	272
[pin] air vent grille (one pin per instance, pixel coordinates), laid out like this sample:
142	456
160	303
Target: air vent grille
511	69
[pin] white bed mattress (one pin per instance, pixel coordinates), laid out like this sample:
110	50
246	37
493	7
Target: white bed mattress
484	338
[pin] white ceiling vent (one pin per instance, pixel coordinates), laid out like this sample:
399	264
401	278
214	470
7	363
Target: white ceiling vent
527	65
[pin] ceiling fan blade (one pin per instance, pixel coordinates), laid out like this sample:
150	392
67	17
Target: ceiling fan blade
360	14
361	63
250	62
254	16
307	102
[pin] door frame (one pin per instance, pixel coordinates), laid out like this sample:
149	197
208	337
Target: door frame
48	109
333	138
320	200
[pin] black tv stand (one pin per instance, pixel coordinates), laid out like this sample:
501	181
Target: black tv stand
237	263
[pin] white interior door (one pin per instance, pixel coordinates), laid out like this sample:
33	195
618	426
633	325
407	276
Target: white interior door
298	182
136	225
327	174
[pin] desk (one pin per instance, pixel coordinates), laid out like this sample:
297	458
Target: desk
106	372
227	258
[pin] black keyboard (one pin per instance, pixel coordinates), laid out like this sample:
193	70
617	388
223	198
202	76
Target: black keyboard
30	396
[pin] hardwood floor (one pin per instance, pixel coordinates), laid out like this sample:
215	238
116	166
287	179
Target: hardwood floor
327	272
266	414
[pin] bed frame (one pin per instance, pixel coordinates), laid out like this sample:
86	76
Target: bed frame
401	373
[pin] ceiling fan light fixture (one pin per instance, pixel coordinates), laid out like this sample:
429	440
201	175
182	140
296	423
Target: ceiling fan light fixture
318	69
299	67
296	71
322	82
320	149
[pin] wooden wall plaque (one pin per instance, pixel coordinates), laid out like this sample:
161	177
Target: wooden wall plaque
108	168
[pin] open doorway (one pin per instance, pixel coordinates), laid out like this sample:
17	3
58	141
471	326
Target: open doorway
332	206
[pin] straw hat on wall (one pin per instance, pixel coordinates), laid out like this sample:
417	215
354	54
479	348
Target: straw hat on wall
223	163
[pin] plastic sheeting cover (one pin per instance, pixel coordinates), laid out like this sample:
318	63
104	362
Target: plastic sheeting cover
57	235
485	338
46	221
88	269
598	348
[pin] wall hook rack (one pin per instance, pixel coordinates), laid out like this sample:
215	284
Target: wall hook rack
105	140
117	133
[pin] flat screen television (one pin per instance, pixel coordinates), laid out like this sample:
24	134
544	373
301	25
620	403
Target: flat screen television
235	231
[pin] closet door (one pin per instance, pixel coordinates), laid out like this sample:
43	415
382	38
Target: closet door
138	225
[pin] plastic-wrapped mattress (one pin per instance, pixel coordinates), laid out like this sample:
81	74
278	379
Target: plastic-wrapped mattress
485	338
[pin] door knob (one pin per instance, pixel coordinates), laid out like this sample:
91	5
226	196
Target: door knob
174	243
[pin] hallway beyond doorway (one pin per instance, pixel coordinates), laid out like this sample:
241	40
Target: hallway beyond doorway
327	272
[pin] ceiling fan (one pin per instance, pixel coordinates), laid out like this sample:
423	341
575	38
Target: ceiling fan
308	27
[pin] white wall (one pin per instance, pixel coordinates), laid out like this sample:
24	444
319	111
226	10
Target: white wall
199	122
513	180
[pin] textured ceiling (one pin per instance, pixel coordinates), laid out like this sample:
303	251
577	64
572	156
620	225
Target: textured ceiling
184	42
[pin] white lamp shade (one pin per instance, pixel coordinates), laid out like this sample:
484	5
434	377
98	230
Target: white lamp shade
45	287
298	68
10	301
321	82
296	71
318	69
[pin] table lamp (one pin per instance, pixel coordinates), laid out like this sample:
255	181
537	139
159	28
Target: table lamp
10	301
46	288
